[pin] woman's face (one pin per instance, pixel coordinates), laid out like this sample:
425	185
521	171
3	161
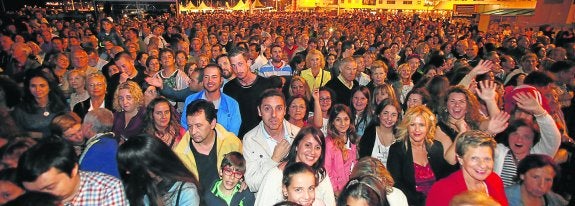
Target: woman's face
39	87
378	76
330	60
341	122
324	100
76	81
96	87
457	105
154	65
477	162
308	150
417	129
161	115
297	88
301	189
359	101
380	95
9	191
521	141
126	100
388	116
297	109
405	72
314	61
538	181
414	100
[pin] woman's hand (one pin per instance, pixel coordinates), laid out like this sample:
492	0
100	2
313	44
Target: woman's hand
528	102
486	90
482	67
498	123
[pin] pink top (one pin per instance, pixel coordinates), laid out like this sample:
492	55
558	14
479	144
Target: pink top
338	169
424	178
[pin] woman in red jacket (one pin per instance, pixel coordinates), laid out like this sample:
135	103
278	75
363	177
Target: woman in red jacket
475	155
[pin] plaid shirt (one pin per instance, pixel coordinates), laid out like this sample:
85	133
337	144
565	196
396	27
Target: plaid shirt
98	189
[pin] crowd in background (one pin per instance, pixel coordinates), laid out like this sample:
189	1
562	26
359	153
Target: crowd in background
241	108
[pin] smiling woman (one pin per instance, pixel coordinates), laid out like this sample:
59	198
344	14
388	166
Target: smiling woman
475	155
308	147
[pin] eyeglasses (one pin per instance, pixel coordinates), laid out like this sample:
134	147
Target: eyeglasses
229	172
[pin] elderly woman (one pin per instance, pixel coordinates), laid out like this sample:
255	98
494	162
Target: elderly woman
129	104
96	87
307	147
416	160
315	76
536	173
475	155
77	81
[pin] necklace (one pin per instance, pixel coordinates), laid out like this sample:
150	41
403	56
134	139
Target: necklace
46	112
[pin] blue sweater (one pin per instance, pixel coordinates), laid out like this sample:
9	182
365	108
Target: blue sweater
228	113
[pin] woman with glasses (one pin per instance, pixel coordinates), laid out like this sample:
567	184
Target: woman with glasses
154	175
96	87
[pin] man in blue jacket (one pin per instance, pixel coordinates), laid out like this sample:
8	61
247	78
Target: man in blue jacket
228	109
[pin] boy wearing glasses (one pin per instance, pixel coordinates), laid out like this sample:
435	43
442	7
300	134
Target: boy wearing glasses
227	190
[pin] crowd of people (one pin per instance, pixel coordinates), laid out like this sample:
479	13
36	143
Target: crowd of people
284	109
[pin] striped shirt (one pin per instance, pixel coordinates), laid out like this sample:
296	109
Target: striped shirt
509	172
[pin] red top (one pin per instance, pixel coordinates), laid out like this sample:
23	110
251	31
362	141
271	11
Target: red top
424	178
445	189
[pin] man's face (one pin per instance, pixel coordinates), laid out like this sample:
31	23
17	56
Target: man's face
348	71
196	46
80	60
125	66
224	63
216	51
194	84
55	182
240	66
529	64
272	111
212	79
277	54
253	52
167	59
199	127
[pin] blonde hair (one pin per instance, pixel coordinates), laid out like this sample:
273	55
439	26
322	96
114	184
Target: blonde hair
418	111
473	198
78	72
317	53
135	91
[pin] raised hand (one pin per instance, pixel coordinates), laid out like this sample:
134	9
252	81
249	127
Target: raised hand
482	67
486	90
498	123
528	102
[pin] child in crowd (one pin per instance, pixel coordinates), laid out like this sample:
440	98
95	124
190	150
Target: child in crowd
228	189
